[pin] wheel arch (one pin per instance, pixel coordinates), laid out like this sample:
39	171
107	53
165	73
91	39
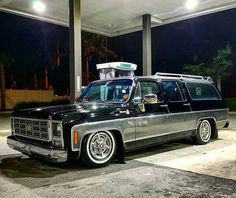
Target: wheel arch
120	155
119	140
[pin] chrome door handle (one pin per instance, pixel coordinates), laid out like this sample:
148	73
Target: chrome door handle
187	104
164	105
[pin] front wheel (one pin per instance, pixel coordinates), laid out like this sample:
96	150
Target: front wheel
203	134
98	149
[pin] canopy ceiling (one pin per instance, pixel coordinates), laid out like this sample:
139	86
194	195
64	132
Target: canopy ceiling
112	18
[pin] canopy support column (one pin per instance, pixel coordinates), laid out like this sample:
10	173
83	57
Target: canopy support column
75	48
147	45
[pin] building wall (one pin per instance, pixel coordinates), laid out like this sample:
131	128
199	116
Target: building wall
14	96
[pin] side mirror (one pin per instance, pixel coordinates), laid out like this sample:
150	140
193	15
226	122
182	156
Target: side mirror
150	99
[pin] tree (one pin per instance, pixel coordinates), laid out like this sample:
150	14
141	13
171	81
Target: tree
94	45
218	68
5	61
221	64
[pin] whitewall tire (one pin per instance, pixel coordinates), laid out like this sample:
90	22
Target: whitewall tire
98	149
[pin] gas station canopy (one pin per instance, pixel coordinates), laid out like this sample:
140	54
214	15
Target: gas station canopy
117	17
111	18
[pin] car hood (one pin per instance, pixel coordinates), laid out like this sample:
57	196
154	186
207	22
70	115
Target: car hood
69	113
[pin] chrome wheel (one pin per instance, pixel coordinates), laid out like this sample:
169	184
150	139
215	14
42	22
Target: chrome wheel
205	130
101	147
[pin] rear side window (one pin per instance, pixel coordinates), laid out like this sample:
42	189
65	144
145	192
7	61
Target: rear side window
202	91
172	91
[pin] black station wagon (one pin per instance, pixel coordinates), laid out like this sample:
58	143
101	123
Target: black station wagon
117	115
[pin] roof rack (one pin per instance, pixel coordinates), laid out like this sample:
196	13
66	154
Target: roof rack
184	76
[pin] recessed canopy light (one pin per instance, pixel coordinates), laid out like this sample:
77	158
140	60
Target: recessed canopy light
190	4
39	6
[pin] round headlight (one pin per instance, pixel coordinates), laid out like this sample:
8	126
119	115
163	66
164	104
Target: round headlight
57	130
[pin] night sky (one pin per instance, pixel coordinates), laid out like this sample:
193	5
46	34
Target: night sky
174	45
31	42
20	36
32	45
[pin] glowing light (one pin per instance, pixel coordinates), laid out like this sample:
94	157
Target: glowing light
190	4
39	6
94	107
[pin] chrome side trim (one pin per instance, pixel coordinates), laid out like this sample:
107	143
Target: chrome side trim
86	128
150	116
205	118
56	156
192	129
202	111
155	136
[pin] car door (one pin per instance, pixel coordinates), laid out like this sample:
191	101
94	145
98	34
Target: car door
150	121
180	118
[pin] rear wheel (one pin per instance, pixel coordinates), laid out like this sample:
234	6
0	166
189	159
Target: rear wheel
98	149
203	134
214	134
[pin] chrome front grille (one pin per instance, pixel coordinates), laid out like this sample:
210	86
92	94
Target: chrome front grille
31	128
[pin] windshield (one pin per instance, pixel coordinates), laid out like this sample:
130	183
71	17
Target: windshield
117	91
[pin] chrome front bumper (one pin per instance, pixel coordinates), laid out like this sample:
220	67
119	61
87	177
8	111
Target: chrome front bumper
52	155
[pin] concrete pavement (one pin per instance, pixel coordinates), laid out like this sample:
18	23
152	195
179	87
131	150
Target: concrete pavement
178	169
24	177
216	159
4	122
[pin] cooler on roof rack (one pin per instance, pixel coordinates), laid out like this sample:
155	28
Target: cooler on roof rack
116	69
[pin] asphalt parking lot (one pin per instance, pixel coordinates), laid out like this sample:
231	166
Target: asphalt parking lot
178	169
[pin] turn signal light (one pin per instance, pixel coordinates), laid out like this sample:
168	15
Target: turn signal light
76	138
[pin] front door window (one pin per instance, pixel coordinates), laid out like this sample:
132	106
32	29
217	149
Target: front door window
145	89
